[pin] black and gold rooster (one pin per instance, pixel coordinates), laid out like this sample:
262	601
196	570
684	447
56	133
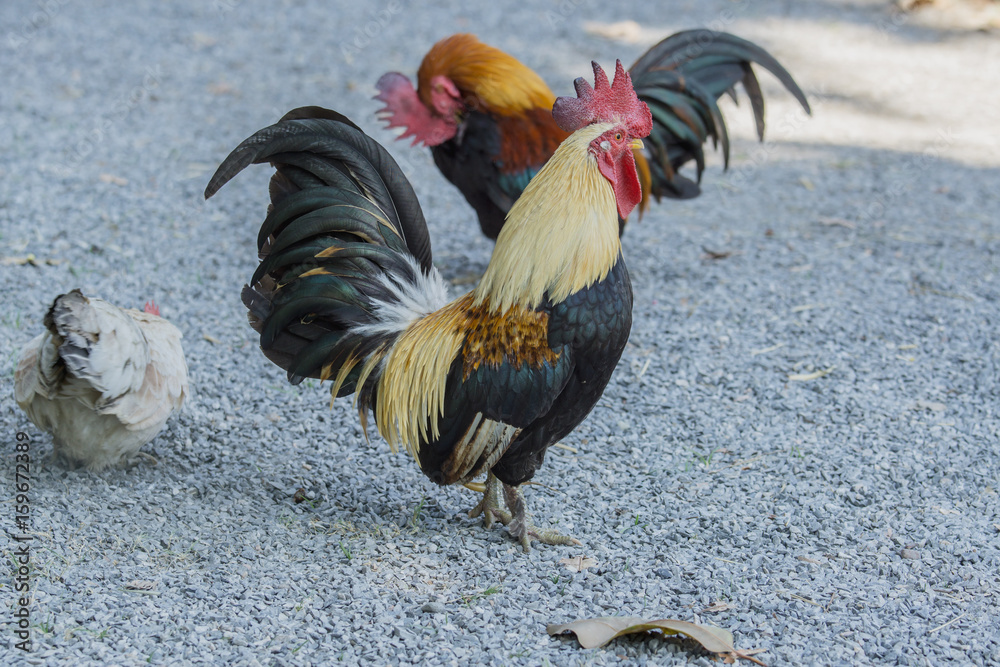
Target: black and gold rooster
484	383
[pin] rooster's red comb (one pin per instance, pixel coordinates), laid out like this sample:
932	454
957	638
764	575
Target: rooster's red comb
604	103
151	308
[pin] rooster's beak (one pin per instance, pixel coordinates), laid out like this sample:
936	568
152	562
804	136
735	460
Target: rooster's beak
637	145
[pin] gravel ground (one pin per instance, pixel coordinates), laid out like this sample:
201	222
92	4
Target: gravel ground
849	519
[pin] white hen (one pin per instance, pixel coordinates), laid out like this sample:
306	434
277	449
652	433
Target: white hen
102	380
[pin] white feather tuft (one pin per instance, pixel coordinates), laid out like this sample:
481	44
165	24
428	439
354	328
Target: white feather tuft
412	301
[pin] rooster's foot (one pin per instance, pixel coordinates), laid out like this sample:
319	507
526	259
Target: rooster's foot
522	529
491	506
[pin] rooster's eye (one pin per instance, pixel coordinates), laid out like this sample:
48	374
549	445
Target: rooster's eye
618	136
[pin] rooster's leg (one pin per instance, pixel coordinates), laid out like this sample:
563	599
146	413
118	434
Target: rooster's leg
491	506
522	529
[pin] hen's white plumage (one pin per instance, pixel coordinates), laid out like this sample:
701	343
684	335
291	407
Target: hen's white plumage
102	380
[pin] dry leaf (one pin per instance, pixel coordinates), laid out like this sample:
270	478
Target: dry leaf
578	564
716	607
211	339
114	180
222	88
807	184
716	254
595	632
837	222
29	259
731	658
202	39
807	306
140	585
805	377
625	31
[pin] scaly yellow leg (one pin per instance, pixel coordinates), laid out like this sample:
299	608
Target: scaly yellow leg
509	509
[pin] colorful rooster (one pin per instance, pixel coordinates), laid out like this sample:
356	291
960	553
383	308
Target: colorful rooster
487	117
484	383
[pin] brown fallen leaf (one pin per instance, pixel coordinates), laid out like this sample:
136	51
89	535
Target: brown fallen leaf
596	632
815	375
624	31
140	585
114	180
765	350
211	339
202	39
223	88
716	254
29	259
836	222
717	607
731	658
578	564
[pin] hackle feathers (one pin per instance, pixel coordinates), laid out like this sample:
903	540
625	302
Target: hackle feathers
497	80
560	236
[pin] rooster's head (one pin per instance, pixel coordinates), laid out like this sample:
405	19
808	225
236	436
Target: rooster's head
615	104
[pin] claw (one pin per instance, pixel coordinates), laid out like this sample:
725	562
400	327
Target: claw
509	509
134	460
523	530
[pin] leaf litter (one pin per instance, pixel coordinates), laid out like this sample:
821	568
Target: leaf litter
596	632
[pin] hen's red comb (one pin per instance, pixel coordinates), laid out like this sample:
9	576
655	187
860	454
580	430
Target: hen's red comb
604	103
152	308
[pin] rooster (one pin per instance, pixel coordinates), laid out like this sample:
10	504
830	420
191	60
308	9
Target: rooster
487	117
486	382
101	380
